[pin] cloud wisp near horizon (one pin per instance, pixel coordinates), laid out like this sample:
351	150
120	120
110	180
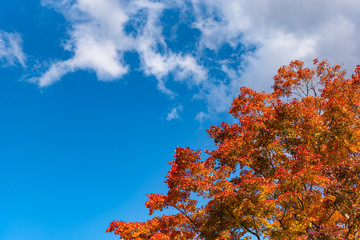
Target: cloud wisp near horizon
213	47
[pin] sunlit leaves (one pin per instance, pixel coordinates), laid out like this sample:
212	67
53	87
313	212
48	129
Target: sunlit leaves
288	169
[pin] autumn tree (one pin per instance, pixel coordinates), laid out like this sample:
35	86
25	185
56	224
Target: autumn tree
288	169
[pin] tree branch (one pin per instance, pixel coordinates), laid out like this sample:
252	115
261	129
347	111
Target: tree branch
242	225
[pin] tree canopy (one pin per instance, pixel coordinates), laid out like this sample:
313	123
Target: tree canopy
289	168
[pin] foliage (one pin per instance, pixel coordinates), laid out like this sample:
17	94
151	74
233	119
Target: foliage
288	169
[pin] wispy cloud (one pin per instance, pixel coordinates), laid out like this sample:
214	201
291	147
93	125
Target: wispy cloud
202	116
11	51
99	40
174	113
261	35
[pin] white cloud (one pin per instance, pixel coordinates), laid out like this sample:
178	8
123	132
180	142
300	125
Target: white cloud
94	38
279	49
282	31
202	116
11	49
278	30
98	40
174	113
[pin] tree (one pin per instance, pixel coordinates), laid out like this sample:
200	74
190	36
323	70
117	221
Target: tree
288	169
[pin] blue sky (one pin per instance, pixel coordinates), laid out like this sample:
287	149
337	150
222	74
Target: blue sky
95	95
